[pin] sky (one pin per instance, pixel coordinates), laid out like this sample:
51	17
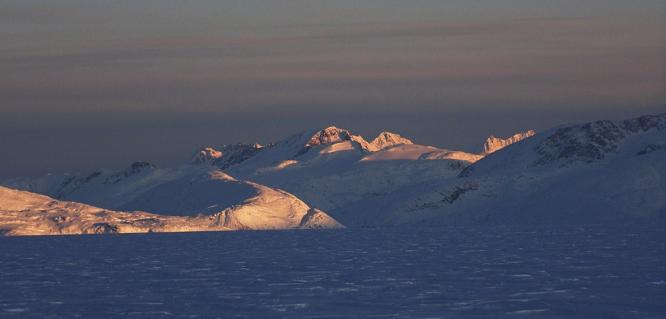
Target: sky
88	84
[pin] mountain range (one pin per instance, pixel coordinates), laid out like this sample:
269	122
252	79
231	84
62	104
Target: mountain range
596	172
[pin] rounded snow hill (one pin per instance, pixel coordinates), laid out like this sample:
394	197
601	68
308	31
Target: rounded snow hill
235	204
201	192
24	213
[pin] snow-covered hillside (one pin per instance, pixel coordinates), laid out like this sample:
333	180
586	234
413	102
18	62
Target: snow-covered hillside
25	213
589	173
332	167
238	204
211	199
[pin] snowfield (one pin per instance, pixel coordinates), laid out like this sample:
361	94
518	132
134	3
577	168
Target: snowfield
517	271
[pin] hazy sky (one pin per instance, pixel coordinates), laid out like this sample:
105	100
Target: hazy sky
87	84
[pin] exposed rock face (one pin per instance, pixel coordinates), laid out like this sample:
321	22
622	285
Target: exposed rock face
597	172
317	219
134	169
103	228
72	183
447	197
227	155
593	141
451	155
207	155
494	144
329	135
644	123
332	135
388	139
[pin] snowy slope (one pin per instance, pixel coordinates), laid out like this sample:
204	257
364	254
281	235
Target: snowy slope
332	167
590	173
102	188
25	213
240	204
190	190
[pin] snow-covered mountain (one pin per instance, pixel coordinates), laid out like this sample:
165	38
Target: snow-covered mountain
332	167
328	168
494	144
595	172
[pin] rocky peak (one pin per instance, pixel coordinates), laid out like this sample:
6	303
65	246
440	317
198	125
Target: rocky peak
494	144
332	135
226	155
329	135
388	139
591	142
206	155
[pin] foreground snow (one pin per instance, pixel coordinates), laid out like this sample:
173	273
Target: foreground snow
476	272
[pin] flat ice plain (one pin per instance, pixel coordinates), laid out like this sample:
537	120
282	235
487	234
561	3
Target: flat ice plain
453	272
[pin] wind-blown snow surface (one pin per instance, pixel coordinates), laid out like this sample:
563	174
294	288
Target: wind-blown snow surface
445	272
